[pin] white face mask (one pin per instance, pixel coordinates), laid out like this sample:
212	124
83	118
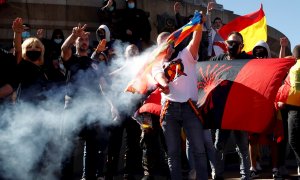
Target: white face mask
57	41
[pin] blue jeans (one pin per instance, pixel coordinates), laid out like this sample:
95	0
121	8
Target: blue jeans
180	115
210	150
241	140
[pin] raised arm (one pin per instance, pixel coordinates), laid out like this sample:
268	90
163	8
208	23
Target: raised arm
18	28
283	45
194	44
210	7
66	48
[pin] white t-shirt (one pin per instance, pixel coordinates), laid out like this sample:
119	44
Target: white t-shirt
184	87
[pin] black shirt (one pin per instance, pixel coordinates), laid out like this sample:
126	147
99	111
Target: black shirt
8	64
82	76
34	82
222	57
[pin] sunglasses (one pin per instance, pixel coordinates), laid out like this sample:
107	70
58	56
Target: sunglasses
232	42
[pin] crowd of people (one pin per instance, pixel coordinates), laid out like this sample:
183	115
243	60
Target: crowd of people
82	92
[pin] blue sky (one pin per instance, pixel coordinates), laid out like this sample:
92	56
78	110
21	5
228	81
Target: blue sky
281	15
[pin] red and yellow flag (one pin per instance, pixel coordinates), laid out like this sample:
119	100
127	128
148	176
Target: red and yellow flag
252	26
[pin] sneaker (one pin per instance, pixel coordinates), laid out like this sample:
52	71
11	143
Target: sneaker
258	167
253	174
276	174
283	171
298	170
192	174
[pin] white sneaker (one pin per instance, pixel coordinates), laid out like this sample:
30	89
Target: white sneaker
298	170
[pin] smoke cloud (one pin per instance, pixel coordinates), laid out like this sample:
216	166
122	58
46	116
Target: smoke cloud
36	137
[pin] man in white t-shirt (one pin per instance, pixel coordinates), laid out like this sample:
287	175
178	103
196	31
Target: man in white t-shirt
177	113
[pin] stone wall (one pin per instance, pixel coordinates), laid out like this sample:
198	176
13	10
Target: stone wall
65	14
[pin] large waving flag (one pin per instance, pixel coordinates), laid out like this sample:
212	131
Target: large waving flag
289	92
143	79
252	26
240	94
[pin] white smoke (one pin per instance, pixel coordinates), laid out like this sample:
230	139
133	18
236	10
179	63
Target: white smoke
34	139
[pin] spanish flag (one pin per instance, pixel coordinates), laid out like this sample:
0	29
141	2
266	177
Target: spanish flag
240	94
252	26
289	92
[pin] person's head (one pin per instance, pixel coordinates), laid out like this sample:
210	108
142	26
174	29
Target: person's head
82	44
103	32
234	43
131	51
26	32
162	38
217	23
33	50
58	36
261	50
131	4
296	51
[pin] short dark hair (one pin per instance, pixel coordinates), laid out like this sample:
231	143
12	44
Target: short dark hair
237	34
296	51
26	25
217	18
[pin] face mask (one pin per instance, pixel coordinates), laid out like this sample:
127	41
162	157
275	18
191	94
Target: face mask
111	8
57	41
233	49
33	55
131	5
260	54
25	34
102	36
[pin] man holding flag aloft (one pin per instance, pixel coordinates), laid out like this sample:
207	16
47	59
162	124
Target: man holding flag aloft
177	78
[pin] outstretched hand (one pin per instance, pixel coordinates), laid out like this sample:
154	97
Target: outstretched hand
109	3
177	7
284	42
17	25
210	6
40	33
79	31
101	46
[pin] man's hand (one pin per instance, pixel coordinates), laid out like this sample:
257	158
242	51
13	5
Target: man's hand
79	31
17	25
210	6
40	33
177	7
280	105
284	42
164	89
101	46
109	3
